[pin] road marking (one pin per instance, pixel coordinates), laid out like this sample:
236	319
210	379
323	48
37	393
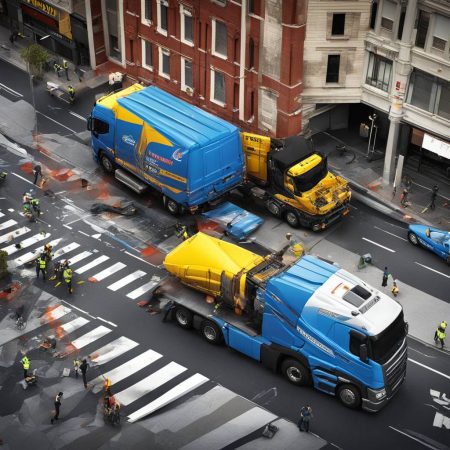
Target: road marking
429	368
433	270
90	337
67	226
108	271
414	438
77	116
59	123
14	234
140	259
82	232
11	249
30	256
127	369
66	249
112	350
9	223
379	245
92	264
142	290
79	309
73	325
11	91
79	218
392	234
79	257
127	280
150	383
1	214
22	178
107	321
173	394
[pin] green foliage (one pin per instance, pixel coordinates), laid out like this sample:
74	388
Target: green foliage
3	263
35	55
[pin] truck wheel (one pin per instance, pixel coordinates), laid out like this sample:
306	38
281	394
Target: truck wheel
172	206
273	207
292	218
107	164
295	372
349	396
184	317
211	332
412	237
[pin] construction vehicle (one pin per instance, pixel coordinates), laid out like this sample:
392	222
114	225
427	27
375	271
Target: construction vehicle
147	137
309	319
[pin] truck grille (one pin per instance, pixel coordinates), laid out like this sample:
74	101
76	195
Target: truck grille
395	370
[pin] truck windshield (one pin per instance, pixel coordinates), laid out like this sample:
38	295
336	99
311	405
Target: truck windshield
385	344
309	179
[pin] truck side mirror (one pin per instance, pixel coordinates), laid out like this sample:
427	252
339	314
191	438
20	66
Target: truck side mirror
89	123
363	353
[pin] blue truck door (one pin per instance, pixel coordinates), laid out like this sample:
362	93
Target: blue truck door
242	342
103	129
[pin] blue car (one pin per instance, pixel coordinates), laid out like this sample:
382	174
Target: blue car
434	239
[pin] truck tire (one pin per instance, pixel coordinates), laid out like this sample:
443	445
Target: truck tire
172	206
295	372
184	317
291	218
273	207
211	332
106	163
412	237
349	396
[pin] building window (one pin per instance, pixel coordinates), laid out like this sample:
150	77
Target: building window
112	19
146	11
373	14
217	94
162	10
164	62
251	53
423	22
219	39
379	72
338	26
147	54
401	24
186	75
441	32
444	101
187	33
254	7
333	68
388	15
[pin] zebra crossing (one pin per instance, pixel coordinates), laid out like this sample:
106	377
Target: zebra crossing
89	264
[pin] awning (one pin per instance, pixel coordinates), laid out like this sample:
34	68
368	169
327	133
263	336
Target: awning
437	146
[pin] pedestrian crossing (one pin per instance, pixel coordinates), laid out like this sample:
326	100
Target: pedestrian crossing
23	245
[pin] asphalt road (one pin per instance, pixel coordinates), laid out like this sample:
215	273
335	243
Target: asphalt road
404	423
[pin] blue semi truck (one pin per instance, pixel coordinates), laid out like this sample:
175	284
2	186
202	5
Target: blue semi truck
310	320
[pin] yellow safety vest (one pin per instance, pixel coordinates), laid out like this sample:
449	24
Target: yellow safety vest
67	274
440	334
25	362
42	263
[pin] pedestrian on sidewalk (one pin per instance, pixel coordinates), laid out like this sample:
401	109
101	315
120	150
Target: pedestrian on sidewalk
305	417
76	366
37	172
439	334
404	198
71	92
385	277
434	193
26	365
58	399
66	68
84	367
395	290
57	68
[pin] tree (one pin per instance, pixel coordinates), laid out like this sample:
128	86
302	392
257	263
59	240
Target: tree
35	56
3	264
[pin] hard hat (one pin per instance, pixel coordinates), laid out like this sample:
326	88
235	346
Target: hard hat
288	235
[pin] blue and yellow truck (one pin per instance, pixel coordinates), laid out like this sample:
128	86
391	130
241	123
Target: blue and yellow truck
147	137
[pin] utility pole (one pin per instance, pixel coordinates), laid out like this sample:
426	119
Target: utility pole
35	131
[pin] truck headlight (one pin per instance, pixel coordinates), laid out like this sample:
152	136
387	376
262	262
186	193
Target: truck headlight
380	394
376	394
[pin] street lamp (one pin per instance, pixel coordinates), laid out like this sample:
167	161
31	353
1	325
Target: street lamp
372	119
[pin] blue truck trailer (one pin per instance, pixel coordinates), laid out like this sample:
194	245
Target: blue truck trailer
310	320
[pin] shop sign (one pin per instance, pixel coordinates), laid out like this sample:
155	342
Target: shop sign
436	146
44	7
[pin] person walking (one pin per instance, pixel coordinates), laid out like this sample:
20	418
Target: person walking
84	367
71	91
76	366
434	193
57	68
439	334
41	266
67	275
305	417
395	290
385	277
26	365
58	399
37	170
404	198
66	68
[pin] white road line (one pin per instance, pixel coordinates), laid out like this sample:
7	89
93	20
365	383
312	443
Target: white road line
173	394
108	271
54	314
82	232
79	309
67	226
59	123
79	257
14	234
107	321
73	325
429	368
28	257
433	270
77	116
392	234
142	290
127	280
22	178
92	264
77	220
66	249
90	337
127	369
425	444
26	243
10	90
1	214
9	223
112	350
140	259
379	245
150	383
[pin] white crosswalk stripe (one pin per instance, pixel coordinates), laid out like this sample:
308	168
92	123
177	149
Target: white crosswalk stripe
127	280
92	264
1	214
142	290
62	251
77	258
108	271
7	224
150	383
112	350
26	243
71	326
13	234
28	257
90	337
